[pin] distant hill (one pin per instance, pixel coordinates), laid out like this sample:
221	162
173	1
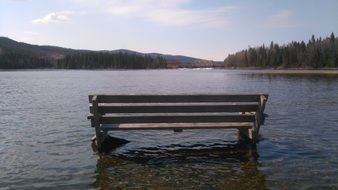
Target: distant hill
18	55
184	61
175	61
179	58
7	44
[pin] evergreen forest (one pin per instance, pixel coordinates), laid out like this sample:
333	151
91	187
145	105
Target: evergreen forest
316	53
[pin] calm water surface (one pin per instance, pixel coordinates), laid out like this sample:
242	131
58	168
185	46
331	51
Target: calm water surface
45	136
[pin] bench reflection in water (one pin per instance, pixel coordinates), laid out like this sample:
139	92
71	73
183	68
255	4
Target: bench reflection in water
232	165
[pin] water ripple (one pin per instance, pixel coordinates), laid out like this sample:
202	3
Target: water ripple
45	137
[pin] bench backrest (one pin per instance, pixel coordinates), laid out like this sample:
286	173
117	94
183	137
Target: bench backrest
176	98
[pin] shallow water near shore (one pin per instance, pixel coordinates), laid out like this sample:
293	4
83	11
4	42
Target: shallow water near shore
45	136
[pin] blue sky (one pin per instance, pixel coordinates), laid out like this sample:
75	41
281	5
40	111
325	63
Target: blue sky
206	29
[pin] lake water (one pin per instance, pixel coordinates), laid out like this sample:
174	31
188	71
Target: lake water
45	136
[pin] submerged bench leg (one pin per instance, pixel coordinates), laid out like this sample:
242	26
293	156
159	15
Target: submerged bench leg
99	138
247	135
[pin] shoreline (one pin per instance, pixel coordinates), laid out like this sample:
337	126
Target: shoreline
332	71
298	71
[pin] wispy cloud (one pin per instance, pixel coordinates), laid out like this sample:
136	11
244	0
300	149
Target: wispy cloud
281	19
54	17
170	12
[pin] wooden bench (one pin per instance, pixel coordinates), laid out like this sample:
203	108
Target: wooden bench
244	112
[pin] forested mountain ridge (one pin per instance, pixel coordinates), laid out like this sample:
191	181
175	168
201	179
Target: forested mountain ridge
18	55
316	53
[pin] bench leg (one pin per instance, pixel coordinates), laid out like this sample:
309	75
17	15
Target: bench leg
99	137
246	135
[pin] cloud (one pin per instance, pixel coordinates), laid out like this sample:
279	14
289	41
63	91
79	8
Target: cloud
281	19
54	17
170	12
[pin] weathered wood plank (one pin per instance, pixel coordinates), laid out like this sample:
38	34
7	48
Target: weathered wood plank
175	118
177	98
168	126
174	108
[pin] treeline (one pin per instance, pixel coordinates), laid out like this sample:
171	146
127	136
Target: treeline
106	60
19	60
83	60
316	53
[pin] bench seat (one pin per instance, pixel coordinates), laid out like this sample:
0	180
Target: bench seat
166	126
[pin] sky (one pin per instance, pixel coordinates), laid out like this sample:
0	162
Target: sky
208	29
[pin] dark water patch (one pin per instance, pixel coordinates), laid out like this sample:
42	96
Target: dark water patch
109	144
196	153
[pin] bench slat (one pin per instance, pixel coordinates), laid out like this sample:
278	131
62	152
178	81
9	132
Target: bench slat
166	126
175	118
177	98
160	108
